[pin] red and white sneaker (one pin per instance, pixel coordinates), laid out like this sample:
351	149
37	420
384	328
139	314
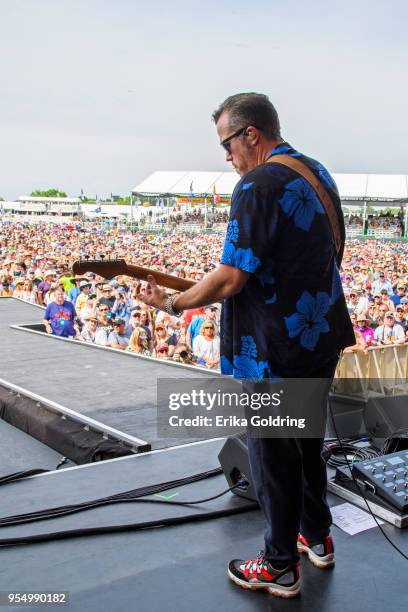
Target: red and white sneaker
321	555
258	573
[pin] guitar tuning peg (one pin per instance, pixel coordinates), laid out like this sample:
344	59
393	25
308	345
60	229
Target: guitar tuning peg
87	257
102	256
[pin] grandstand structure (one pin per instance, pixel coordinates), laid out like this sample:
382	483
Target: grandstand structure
374	205
60	210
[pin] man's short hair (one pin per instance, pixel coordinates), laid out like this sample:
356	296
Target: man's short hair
246	109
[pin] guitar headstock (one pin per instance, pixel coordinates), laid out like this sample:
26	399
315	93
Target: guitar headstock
107	268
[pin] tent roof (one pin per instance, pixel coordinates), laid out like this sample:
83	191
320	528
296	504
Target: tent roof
371	187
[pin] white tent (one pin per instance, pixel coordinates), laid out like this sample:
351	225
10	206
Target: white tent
352	187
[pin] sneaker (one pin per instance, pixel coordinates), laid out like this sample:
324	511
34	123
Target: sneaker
258	573
321	555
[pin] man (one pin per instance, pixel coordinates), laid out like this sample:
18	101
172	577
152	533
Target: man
134	321
390	332
74	292
60	316
400	318
397	297
89	332
382	283
284	315
82	299
117	338
121	307
108	299
357	303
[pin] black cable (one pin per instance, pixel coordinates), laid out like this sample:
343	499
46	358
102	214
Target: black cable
90	531
348	445
20	475
104	501
62	462
361	491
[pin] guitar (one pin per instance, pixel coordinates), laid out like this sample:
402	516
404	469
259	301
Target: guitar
108	268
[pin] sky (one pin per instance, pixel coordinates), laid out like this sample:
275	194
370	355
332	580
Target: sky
98	94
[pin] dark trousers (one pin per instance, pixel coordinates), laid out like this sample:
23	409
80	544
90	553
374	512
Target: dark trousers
289	476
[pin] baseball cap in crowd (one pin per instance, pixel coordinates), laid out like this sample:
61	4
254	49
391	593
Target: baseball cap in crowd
401	286
49	272
361	317
390	314
119	322
404	300
83	284
91	318
107	288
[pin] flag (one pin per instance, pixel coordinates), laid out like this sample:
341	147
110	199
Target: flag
214	192
98	208
191	190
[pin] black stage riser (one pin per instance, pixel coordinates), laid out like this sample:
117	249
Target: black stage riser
64	435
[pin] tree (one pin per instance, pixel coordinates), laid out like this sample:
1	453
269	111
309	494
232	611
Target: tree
49	193
121	199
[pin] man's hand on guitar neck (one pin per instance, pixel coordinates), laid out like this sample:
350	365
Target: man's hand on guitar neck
155	296
224	282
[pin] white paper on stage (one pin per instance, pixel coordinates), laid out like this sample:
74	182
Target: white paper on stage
351	519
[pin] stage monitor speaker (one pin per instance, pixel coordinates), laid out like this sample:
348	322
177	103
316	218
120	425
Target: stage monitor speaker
374	416
234	461
387	417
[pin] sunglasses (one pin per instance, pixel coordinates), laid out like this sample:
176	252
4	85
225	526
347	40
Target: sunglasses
226	143
159	328
103	310
209	327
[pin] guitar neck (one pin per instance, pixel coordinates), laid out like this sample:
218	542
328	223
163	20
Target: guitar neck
162	279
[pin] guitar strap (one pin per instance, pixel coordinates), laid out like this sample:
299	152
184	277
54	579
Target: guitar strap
305	172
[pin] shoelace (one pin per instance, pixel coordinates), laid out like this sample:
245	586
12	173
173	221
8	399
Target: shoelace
257	566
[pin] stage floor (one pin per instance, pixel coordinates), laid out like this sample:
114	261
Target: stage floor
118	390
179	568
21	452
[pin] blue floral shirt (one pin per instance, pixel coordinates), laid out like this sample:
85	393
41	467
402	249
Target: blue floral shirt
291	316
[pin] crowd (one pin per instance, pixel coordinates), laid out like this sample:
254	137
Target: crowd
194	216
375	282
36	263
393	223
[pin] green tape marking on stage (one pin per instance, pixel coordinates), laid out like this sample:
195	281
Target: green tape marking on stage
166	496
